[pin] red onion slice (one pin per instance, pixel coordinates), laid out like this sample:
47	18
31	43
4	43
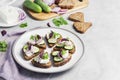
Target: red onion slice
62	11
22	16
49	2
56	9
64	39
51	34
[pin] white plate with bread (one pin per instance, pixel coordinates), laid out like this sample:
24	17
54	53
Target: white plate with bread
58	53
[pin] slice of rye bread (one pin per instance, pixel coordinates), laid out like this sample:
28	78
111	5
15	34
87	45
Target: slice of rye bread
30	57
37	64
52	44
82	26
57	64
66	4
78	16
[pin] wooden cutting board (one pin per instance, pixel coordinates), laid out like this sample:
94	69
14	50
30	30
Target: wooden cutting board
45	16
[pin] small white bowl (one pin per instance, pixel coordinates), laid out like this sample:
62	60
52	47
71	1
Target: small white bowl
20	19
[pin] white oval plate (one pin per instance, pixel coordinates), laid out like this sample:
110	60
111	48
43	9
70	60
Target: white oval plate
3	24
6	2
43	31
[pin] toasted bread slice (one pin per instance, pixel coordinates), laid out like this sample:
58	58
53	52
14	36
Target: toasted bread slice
37	64
30	57
78	16
82	26
66	4
57	64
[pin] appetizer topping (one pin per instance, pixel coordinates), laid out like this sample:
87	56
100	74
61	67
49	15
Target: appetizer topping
60	45
66	43
42	58
29	50
55	53
52	40
52	37
36	39
58	59
61	54
65	53
34	49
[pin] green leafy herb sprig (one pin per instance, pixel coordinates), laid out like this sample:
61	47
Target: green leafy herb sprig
3	46
59	21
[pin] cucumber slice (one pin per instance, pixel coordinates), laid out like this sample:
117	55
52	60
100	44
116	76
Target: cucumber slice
55	53
59	45
68	47
52	40
58	59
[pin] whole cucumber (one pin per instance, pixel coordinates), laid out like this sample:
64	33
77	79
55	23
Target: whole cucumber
44	6
32	6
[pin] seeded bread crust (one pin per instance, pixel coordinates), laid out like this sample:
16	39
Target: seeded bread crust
82	27
61	63
37	64
78	16
52	44
30	57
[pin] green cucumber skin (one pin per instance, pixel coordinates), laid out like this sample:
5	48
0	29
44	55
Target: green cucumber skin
45	7
32	6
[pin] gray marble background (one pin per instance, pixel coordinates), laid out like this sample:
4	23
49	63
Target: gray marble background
102	42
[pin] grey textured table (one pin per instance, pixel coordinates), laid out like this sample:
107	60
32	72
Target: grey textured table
102	42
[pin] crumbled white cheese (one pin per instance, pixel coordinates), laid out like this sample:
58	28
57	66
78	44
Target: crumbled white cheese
29	53
9	14
34	49
40	42
44	61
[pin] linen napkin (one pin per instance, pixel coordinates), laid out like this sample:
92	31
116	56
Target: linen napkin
10	70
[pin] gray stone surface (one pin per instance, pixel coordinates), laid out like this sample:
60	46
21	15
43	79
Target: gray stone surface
102	42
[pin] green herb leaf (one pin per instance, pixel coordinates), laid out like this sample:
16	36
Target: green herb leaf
63	20
60	21
32	37
23	25
45	55
3	46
